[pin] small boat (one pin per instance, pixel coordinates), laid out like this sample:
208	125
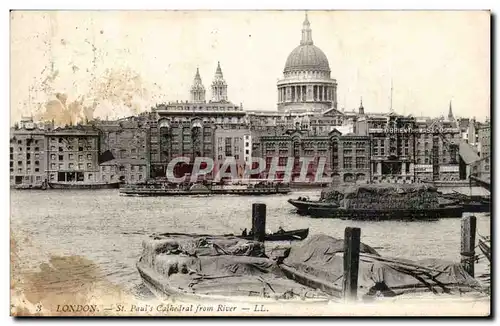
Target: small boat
294	235
303	204
84	185
387	214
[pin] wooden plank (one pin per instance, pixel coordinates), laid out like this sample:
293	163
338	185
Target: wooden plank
259	221
468	243
352	241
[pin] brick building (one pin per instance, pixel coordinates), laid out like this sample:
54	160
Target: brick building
391	147
188	128
350	161
436	150
345	157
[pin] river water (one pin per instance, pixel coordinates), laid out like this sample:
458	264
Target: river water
108	228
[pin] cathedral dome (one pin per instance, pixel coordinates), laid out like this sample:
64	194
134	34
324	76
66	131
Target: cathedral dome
307	57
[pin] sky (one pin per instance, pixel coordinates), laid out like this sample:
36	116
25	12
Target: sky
118	63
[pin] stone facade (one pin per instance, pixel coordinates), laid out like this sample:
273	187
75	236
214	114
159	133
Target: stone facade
125	138
124	170
484	140
232	143
28	154
345	157
306	84
350	159
72	154
436	150
392	142
481	168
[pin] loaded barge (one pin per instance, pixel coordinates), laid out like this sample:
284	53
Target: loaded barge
189	268
380	202
165	189
69	185
84	185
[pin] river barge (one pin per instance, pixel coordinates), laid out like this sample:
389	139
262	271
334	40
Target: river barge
83	185
387	214
204	189
193	268
470	203
217	269
380	202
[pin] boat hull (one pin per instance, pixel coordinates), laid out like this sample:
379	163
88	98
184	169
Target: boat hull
395	214
29	187
171	192
304	205
93	186
158	284
295	235
477	207
292	235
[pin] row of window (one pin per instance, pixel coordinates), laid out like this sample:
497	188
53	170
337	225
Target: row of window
70	166
358	144
28	141
70	157
133	168
28	156
28	149
70	148
359	162
113	177
61	140
20	170
20	163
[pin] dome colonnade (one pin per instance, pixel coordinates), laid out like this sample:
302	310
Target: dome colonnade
307	85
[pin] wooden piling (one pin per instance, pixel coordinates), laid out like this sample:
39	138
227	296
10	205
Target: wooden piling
352	242
259	221
468	243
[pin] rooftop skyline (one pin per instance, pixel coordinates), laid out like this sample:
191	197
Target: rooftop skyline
129	61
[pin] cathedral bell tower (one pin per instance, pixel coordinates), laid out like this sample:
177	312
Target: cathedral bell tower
219	86
197	90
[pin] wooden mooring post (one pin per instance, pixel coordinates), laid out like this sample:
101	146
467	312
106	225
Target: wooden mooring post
468	244
352	243
259	221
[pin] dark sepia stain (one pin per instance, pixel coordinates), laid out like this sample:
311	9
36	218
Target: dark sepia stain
62	281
